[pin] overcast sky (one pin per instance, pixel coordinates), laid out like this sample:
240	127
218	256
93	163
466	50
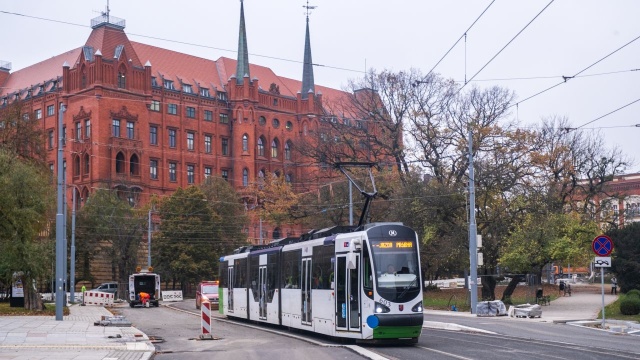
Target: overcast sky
349	36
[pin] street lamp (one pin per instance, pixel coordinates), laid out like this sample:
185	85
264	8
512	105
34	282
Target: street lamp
149	238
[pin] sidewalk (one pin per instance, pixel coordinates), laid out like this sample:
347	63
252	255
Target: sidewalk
76	337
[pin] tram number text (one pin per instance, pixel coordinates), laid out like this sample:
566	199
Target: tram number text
384	302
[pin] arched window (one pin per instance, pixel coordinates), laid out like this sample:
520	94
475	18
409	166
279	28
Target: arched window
245	177
122	78
120	163
245	142
274	148
261	174
83	79
260	146
288	178
276	233
304	129
287	150
86	164
134	165
76	166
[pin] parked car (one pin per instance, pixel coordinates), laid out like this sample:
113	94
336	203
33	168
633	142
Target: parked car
207	290
110	287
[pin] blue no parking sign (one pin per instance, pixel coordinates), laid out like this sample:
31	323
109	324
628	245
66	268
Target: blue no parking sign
602	245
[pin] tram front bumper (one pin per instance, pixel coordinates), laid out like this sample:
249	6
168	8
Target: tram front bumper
395	326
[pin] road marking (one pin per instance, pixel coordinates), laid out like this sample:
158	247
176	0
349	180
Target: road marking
445	353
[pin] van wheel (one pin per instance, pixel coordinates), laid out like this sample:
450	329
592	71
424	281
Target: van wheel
130	304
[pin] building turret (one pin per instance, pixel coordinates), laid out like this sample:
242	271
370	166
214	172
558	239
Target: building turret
242	69
308	86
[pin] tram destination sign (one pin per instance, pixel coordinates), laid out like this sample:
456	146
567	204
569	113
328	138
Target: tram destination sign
393	245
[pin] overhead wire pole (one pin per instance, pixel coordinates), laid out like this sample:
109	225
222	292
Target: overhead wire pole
72	275
60	251
473	241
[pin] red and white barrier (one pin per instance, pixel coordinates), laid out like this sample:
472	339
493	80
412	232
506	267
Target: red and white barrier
205	310
97	298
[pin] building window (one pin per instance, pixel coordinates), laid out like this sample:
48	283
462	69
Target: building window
78	131
225	146
208	115
153	169
289	125
172	138
115	132
224	118
190	137
130	130
274	148
134	165
38	114
87	129
172	171
245	142
64	136
205	92
207	144
153	135
190	174
154	81
155	105
122	80
191	112
245	177
172	109
262	120
260	146
87	160
222	96
288	178
225	175
168	84
120	163
76	166
51	110
276	123
50	139
187	89
287	150
207	172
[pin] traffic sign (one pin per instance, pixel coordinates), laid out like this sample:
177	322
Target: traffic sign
602	245
602	261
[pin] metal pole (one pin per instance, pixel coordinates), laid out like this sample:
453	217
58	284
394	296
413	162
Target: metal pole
602	282
72	277
149	241
473	248
350	204
59	226
65	240
260	230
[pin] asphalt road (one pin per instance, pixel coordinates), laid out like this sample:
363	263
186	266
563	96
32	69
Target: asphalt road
512	339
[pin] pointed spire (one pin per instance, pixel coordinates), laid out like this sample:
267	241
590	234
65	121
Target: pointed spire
308	85
242	69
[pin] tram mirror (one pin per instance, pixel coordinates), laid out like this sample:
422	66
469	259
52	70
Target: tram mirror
351	261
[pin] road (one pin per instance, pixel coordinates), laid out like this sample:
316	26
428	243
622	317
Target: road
179	326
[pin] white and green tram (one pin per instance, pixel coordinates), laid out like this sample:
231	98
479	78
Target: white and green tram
359	282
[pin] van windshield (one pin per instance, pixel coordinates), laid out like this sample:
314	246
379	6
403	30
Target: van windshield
209	289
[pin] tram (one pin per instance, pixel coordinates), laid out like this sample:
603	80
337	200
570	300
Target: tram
360	282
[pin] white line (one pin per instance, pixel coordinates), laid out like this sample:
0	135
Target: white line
445	353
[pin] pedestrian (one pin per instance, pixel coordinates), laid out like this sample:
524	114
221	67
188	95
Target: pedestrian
84	288
614	286
560	287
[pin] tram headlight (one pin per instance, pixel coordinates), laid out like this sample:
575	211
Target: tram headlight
417	307
380	309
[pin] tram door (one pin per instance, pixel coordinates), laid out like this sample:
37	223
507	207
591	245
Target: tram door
306	291
347	295
262	292
230	288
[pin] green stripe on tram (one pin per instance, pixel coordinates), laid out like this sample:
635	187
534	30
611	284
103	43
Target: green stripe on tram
394	332
220	300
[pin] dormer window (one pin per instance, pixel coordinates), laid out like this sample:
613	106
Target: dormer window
168	84
154	81
187	89
222	96
204	92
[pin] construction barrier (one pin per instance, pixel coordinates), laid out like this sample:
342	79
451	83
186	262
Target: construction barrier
172	295
205	310
98	298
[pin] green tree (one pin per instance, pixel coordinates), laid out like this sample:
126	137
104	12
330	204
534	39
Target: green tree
21	133
25	203
108	226
626	256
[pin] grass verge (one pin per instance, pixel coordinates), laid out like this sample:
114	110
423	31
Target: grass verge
612	311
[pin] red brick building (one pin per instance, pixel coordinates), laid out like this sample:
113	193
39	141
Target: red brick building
146	120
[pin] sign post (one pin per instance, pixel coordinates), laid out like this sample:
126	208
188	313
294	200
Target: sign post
602	246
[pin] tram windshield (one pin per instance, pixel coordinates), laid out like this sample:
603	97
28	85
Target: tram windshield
396	268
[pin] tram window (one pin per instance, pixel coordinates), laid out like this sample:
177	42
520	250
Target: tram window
322	267
367	275
272	275
254	266
291	260
240	270
223	274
